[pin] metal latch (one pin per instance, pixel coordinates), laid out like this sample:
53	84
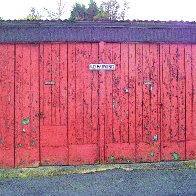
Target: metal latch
150	85
49	83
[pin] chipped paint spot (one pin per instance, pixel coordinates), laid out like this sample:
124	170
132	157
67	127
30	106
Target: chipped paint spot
33	142
56	72
155	138
0	140
121	157
151	88
112	158
23	130
152	154
158	147
25	121
176	156
78	159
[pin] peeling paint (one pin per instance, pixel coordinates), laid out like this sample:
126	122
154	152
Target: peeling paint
25	121
112	158
33	142
152	154
155	138
176	156
23	130
121	157
0	140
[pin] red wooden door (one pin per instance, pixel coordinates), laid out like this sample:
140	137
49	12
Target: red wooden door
68	104
53	104
119	95
173	101
83	130
132	114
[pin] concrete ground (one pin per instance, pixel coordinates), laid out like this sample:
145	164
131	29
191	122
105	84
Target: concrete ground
111	182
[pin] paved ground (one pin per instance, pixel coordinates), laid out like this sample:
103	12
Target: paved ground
114	182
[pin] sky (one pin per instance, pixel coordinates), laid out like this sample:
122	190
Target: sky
139	9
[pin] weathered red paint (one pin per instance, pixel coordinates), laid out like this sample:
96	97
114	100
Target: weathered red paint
6	105
144	111
26	105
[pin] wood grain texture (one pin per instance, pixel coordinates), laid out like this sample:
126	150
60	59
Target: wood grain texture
7	105
27	106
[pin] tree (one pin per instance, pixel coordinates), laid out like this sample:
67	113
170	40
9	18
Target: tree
58	13
124	10
78	12
111	8
33	15
92	10
1	18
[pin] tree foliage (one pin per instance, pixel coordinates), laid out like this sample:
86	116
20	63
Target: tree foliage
92	10
108	10
33	15
111	8
80	12
1	18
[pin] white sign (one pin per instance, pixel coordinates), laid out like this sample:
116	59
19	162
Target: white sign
102	66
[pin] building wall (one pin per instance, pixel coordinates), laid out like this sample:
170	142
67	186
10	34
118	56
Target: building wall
56	111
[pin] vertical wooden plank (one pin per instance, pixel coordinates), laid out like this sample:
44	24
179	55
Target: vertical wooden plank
41	83
7	105
190	60
71	94
47	88
116	94
34	104
139	98
27	106
165	94
132	93
125	93
181	94
174	92
63	84
132	100
101	105
94	94
147	87
155	103
55	88
79	94
110	101
87	93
